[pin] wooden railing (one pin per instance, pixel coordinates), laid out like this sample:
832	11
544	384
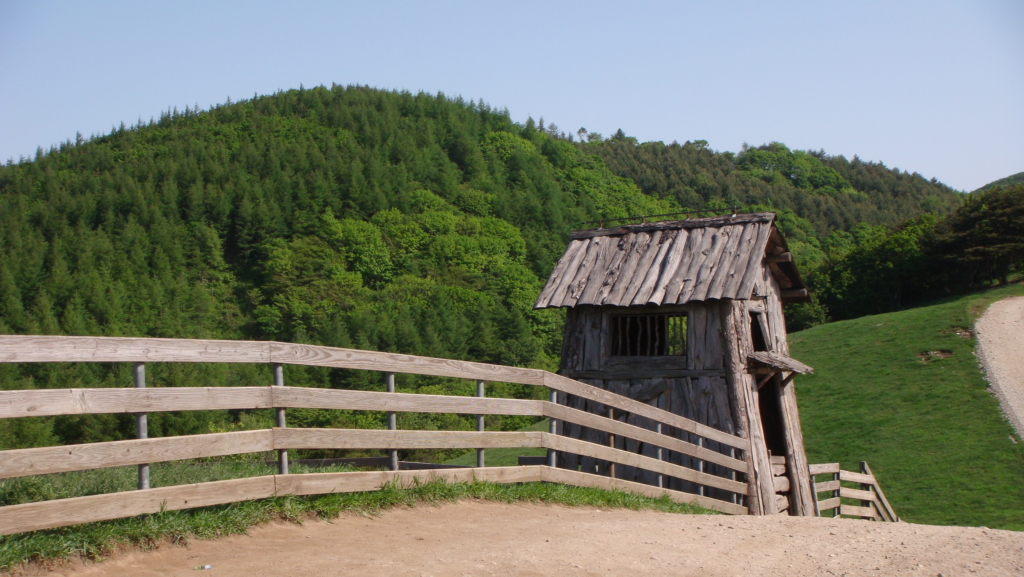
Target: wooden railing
872	503
143	451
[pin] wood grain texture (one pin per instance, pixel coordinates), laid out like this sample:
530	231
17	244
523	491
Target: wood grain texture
778	361
317	356
43	460
857	478
823	468
855	511
857	494
560	443
585	391
384	439
64	512
295	397
593	421
50	349
826	504
579	479
886	509
47	402
827	486
556	275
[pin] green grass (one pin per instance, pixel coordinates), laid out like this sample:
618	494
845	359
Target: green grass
931	431
503	457
96	540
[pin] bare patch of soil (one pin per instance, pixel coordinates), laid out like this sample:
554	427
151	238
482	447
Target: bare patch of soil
483	538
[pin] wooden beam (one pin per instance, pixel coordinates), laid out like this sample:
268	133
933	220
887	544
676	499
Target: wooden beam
886	508
48	402
44	460
855	511
794	293
59	349
567	444
823	468
856	477
294	397
826	504
383	439
64	512
717	221
327	483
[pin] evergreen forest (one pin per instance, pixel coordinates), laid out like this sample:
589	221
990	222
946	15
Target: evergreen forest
383	220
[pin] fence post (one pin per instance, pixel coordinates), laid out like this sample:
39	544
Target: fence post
141	424
553	429
700	466
282	454
611	443
661	478
480	424
389	379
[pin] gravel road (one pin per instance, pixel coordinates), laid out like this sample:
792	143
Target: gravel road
1000	334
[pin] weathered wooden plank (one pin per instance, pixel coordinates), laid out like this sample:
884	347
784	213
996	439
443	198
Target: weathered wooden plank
744	396
51	349
778	470
625	252
641	244
317	356
857	494
823	468
669	265
579	389
857	478
682	282
855	511
781	257
675	224
781	503
777	459
597	451
577	478
643	294
643	266
556	275
738	267
585	419
43	460
569	275
326	483
47	402
574	289
602	272
746	287
803	496
292	397
723	272
711	263
827	486
778	361
826	504
64	512
698	263
781	484
644	373
384	439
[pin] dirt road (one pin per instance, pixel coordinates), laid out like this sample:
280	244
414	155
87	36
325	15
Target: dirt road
1001	350
477	538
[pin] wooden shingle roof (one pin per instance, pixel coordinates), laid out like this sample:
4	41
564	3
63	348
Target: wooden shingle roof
671	262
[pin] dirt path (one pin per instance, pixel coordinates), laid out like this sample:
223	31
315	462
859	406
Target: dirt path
1001	350
478	538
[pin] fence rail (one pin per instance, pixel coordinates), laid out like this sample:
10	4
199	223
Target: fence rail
142	451
872	502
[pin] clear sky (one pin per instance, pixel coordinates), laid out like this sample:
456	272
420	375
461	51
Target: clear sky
932	87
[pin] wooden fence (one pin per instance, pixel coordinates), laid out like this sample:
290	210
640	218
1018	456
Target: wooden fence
143	451
871	502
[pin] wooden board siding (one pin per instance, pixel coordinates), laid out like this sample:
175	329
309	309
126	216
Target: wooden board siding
662	263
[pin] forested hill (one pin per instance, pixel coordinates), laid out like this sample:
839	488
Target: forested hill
349	217
1012	180
831	192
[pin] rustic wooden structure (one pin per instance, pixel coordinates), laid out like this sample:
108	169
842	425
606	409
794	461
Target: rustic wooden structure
687	316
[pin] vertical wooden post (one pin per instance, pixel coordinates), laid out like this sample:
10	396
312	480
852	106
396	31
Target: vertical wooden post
480	424
553	429
700	466
661	478
282	454
141	424
392	421
732	475
611	443
836	493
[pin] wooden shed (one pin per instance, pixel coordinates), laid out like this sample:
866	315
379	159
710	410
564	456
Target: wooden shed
687	316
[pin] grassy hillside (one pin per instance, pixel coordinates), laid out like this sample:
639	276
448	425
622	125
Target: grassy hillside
1011	180
927	425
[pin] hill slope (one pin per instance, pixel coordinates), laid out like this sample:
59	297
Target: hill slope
1004	182
931	431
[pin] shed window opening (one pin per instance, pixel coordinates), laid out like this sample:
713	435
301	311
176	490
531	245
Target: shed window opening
648	335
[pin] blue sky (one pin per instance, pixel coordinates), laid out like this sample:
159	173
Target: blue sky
930	87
